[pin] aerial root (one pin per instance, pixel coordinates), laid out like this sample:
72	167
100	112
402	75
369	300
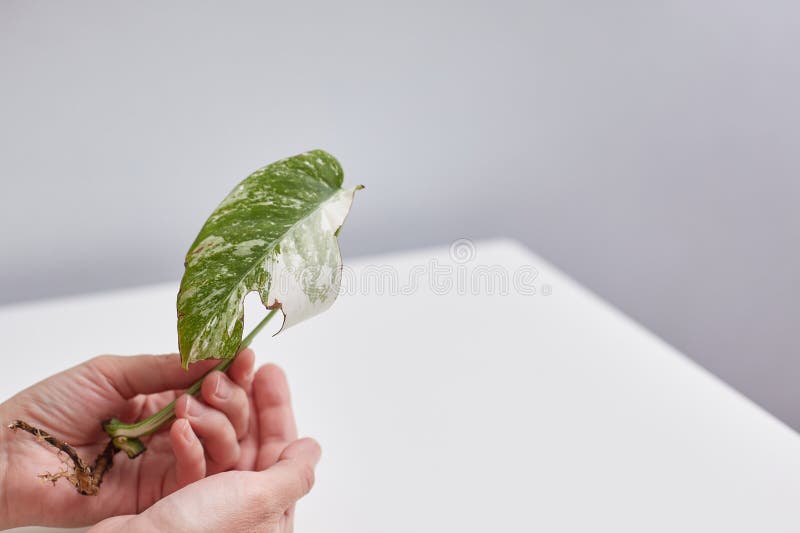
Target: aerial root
86	479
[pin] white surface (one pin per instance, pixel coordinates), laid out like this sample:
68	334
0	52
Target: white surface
474	413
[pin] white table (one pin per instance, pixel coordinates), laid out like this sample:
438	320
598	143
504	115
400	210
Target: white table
478	412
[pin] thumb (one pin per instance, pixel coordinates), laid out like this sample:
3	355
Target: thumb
292	477
146	374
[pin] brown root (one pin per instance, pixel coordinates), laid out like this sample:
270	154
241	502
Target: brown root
86	479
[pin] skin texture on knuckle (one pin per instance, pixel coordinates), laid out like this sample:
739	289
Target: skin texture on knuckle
102	367
100	362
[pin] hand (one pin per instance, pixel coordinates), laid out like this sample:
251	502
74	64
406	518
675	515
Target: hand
232	501
71	405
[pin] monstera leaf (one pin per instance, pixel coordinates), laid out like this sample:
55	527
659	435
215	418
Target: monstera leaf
275	233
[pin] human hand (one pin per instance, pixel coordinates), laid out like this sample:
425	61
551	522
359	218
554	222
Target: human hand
236	502
71	405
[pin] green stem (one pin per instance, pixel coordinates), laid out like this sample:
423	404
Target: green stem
126	435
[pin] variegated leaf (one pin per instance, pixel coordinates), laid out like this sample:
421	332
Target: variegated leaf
275	233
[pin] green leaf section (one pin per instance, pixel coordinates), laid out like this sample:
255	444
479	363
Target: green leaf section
275	233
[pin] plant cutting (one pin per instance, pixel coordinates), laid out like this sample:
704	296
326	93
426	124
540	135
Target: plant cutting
274	234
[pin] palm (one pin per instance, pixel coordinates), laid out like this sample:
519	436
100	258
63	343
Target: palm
71	405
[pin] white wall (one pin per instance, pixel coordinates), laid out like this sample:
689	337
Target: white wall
650	149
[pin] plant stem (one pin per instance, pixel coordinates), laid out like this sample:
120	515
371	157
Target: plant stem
123	434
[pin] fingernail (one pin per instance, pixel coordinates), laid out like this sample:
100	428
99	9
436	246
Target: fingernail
190	408
188	436
222	390
251	373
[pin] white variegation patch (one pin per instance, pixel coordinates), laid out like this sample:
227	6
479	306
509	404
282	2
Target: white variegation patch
245	249
306	274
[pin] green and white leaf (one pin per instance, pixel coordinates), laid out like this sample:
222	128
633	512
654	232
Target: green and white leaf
275	233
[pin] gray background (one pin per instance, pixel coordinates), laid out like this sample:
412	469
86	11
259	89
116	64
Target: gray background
649	149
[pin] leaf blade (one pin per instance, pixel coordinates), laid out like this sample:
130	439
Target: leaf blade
275	233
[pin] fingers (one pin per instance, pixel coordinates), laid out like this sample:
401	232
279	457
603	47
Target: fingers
217	432
292	477
276	422
146	374
190	462
220	392
235	501
241	371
